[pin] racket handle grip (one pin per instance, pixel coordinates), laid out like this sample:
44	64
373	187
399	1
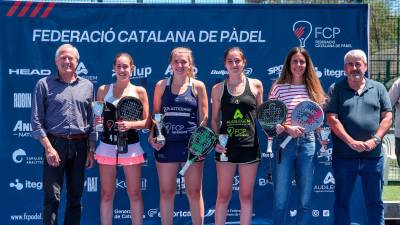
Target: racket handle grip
269	147
184	168
285	142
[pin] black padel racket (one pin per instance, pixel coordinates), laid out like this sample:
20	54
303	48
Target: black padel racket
201	142
128	109
306	114
271	113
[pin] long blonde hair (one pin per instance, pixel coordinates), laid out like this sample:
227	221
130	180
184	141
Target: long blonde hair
310	78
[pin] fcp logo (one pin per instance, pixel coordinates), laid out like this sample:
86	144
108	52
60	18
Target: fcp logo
302	30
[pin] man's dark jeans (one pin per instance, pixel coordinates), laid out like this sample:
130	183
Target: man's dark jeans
73	157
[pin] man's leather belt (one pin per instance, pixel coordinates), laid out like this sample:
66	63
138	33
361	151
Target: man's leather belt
70	136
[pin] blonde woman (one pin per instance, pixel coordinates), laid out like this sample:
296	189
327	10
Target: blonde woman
183	101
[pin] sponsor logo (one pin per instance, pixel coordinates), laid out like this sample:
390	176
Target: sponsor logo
325	213
152	213
122	184
29	72
247	71
319	73
324	36
329	179
333	73
315	213
210	212
156	213
139	72
328	184
168	72
275	70
302	30
238	115
236	182
37	185
20	156
91	184
82	71
326	156
22	129
263	182
22	100
293	213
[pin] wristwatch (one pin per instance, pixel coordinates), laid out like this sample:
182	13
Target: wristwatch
377	139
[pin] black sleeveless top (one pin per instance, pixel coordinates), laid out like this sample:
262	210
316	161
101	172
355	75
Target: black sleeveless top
238	114
109	135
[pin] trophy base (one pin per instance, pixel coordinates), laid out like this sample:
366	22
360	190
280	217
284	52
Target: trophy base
223	158
99	128
160	140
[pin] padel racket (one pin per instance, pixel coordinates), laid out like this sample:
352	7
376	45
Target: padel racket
306	114
201	142
128	109
271	113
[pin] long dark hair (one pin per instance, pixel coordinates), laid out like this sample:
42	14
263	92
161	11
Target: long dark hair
310	78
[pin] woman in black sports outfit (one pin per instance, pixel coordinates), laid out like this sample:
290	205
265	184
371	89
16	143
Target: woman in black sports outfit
234	103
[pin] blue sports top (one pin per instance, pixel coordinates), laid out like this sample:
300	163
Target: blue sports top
180	113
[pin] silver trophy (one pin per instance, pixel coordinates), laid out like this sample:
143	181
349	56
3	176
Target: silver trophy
98	108
325	132
223	140
158	118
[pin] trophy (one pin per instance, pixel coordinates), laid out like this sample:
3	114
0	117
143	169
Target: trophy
158	118
223	140
98	108
325	131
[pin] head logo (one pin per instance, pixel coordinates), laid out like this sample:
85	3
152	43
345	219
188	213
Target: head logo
17	185
302	30
329	179
293	213
18	155
81	68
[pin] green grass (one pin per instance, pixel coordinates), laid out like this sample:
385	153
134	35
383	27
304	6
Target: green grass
391	192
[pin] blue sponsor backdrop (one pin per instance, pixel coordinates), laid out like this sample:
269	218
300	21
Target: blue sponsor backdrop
31	32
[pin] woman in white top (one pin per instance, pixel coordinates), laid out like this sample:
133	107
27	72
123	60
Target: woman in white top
106	154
